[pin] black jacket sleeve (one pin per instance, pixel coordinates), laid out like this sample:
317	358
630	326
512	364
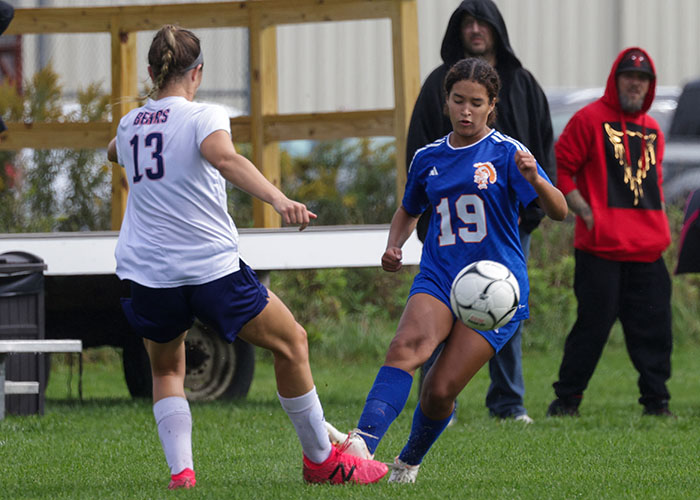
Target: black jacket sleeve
7	12
428	124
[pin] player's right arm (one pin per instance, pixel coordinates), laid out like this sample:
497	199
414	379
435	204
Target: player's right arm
218	150
402	225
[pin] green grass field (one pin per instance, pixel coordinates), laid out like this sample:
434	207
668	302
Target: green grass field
107	446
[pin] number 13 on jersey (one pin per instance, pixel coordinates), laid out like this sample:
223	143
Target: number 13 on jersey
153	141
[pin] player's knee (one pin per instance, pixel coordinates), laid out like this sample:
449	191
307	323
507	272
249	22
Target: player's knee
411	350
294	345
437	400
164	370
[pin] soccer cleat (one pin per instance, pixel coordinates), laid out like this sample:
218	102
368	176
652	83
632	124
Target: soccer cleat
340	468
524	418
401	472
184	480
335	436
351	443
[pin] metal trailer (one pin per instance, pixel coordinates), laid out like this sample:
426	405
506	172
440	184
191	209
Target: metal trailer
82	295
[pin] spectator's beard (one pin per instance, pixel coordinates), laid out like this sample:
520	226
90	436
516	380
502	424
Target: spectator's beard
630	105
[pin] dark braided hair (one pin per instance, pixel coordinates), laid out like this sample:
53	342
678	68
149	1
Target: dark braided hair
172	50
476	70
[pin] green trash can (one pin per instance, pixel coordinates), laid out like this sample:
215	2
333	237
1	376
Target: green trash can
22	318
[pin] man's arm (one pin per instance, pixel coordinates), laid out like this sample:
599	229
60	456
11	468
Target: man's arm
580	207
571	154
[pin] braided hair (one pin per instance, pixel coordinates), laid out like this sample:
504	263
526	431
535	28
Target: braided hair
172	52
476	70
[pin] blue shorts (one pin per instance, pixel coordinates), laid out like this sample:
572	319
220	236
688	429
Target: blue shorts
497	338
225	304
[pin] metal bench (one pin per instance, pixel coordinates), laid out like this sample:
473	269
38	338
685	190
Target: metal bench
29	346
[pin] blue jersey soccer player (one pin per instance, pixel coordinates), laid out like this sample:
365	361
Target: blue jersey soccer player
474	179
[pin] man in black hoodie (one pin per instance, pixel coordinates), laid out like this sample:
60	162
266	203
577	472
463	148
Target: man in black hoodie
477	29
7	12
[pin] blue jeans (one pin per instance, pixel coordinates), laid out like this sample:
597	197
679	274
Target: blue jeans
505	395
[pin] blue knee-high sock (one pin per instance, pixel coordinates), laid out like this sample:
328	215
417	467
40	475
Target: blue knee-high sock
384	402
424	432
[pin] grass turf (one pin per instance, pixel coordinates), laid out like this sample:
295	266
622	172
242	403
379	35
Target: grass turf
107	446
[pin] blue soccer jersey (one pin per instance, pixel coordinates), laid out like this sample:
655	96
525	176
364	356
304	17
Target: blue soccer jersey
475	193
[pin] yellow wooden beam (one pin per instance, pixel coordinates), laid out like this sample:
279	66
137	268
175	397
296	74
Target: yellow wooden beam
94	135
128	18
201	15
263	101
124	99
325	126
404	36
315	11
288	127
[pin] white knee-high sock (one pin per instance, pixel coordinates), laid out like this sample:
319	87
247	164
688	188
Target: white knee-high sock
306	414
174	422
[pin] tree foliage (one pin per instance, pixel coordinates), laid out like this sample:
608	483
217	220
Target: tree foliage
53	189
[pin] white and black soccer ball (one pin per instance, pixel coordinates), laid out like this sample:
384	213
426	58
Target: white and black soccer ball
485	295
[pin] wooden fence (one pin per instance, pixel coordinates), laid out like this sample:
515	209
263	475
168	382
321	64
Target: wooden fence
264	127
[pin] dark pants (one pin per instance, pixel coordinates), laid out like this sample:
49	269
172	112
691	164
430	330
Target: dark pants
637	293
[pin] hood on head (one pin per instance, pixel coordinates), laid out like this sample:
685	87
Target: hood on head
452	49
627	60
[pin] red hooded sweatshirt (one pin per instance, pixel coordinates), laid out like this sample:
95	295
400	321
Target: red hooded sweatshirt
614	159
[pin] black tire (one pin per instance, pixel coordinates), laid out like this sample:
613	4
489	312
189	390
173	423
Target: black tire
137	368
215	368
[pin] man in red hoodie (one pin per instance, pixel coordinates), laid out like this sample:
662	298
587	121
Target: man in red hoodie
609	161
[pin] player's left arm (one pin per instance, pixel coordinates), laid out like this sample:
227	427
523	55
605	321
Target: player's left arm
218	150
550	199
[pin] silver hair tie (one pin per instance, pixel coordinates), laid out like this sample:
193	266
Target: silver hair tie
199	60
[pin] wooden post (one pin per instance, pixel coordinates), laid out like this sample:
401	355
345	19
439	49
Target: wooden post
404	30
263	101
124	93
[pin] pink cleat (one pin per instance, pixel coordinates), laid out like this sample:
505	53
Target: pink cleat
340	468
184	479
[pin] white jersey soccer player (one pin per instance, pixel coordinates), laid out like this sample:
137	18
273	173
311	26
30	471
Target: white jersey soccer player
176	229
179	248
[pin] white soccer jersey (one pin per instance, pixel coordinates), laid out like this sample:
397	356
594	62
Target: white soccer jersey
176	229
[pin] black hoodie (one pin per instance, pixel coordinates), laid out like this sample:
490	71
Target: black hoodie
522	111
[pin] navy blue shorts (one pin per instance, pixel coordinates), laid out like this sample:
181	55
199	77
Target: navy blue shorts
225	304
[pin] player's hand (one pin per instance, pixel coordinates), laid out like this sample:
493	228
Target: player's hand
527	165
391	260
294	212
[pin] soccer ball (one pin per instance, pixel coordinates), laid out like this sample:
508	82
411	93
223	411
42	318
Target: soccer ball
485	295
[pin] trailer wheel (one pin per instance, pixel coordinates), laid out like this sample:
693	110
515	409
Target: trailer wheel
215	368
